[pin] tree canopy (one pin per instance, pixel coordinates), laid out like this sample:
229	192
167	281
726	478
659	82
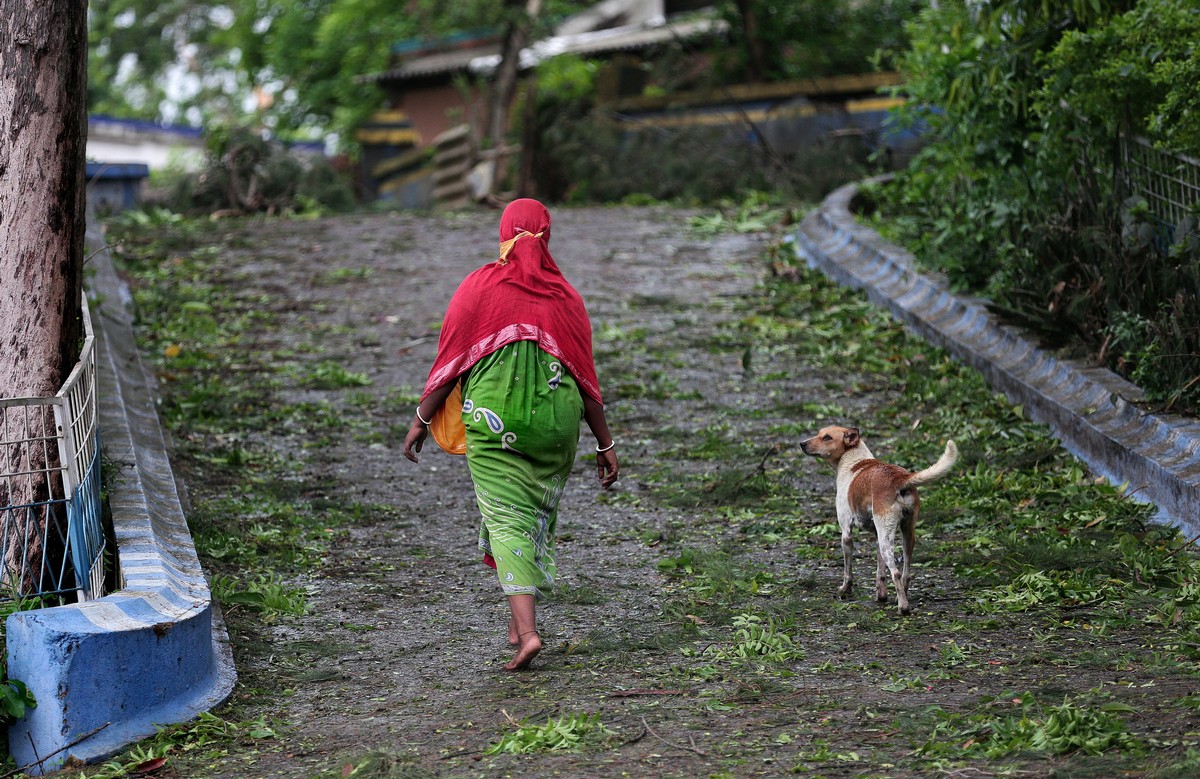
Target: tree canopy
292	65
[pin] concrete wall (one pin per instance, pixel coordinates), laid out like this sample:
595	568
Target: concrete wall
128	141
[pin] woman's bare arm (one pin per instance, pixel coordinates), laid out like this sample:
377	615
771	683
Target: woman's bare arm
425	410
607	468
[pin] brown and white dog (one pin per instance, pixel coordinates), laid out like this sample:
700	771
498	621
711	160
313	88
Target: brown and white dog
880	498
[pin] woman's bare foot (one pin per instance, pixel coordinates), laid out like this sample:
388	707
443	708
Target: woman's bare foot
513	638
528	647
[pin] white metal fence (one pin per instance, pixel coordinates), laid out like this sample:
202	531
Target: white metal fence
1170	183
52	540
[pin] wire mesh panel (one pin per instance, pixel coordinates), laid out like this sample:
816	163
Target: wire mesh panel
51	531
32	502
1169	182
85	532
79	450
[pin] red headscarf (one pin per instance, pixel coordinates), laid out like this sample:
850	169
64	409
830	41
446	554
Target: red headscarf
523	296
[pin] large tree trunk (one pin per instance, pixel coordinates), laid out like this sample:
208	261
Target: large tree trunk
756	54
504	82
43	135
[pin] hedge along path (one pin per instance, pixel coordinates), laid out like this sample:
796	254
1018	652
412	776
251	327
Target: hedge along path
695	621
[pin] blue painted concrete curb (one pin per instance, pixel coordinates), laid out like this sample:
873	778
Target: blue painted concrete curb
107	672
1088	409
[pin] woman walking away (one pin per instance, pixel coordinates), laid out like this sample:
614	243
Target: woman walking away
513	377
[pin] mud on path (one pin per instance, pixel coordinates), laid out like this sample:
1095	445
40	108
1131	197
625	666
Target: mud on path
395	670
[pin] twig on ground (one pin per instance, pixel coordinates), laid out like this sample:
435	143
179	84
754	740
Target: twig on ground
40	760
691	748
632	693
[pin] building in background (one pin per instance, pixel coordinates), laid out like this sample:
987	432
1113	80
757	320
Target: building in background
158	146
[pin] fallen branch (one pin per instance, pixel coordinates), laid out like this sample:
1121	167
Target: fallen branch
40	760
691	748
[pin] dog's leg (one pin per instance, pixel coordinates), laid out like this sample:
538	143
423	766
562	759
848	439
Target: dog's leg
847	561
908	529
887	556
881	580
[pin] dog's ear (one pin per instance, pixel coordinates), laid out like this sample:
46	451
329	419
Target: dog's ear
851	437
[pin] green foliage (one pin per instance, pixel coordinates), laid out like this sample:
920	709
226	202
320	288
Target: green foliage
809	38
995	731
245	172
132	45
206	734
756	640
380	764
566	79
716	575
1037	588
568	733
1136	70
329	375
15	699
1019	195
304	58
756	212
584	156
266	594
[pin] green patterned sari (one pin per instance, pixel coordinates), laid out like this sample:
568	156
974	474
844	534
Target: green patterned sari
522	412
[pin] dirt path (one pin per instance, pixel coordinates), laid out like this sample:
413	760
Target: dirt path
401	651
395	670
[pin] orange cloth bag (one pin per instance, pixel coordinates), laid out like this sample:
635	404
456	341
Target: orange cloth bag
447	427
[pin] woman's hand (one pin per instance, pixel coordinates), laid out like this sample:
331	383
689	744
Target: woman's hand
606	467
606	455
415	438
420	429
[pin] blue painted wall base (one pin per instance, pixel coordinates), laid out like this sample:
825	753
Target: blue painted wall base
104	678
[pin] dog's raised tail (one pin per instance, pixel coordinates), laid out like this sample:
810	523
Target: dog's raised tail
937	470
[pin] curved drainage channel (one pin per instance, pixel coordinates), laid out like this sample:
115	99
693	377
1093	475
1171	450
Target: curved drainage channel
1156	457
106	672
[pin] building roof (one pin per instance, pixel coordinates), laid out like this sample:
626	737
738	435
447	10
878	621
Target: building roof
485	58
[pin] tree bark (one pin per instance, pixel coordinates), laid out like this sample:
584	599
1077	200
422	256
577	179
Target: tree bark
504	83
756	54
43	136
529	141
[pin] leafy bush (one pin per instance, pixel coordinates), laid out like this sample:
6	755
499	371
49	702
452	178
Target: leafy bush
1136	69
15	699
246	173
807	38
587	156
1021	196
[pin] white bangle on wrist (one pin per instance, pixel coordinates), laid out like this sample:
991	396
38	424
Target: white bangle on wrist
423	420
605	449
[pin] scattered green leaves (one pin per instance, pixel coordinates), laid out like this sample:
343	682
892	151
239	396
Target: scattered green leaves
568	733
